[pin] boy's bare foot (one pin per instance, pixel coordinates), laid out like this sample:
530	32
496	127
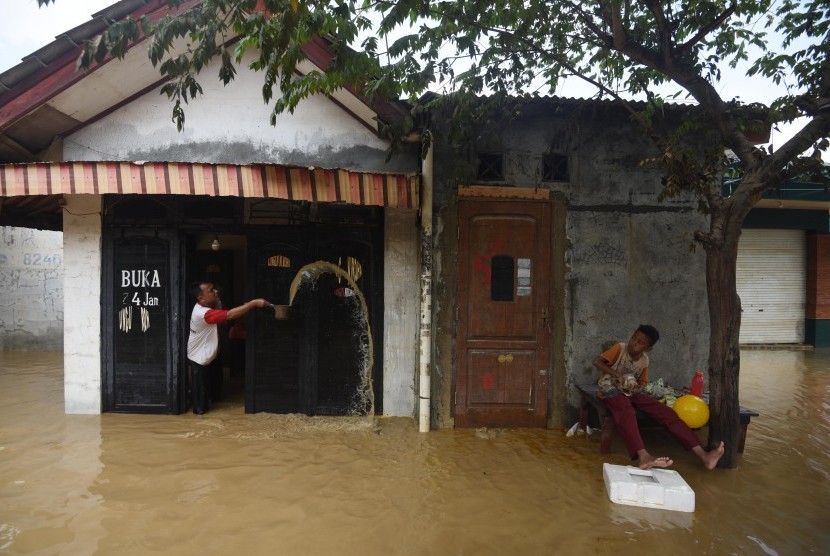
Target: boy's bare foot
647	462
711	458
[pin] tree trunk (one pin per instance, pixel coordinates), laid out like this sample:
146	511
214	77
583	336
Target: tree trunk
724	351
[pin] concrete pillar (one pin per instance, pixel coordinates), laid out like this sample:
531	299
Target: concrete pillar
82	304
400	312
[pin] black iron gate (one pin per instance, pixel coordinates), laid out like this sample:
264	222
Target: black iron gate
311	363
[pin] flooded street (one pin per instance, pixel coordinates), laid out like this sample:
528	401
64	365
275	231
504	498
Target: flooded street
231	483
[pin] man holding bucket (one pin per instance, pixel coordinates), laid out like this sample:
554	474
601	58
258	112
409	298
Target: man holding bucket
203	343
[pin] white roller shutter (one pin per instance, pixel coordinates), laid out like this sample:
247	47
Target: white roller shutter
772	285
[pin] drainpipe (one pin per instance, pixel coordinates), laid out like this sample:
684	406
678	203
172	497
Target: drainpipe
425	359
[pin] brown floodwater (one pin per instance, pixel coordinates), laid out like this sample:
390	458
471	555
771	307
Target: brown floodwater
231	483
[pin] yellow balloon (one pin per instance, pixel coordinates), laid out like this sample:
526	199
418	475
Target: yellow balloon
692	410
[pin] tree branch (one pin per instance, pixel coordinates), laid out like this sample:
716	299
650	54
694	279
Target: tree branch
663	29
773	165
617	28
705	94
603	37
559	60
721	116
715	23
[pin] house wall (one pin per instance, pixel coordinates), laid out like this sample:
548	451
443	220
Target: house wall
82	304
625	258
31	290
231	125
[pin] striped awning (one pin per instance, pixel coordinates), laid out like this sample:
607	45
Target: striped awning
176	178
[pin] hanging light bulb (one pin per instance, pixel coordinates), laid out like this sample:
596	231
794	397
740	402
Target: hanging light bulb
215	244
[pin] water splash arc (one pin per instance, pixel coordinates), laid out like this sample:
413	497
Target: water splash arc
310	273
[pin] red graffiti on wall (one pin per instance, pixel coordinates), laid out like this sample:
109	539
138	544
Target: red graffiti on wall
481	263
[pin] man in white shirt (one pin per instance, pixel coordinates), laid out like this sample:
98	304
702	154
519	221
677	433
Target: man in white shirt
203	342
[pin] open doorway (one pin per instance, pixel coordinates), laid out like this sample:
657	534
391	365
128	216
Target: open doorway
220	259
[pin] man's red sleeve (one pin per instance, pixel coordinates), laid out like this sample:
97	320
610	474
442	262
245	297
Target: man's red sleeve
216	316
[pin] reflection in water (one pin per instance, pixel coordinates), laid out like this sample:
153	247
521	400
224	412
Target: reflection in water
228	482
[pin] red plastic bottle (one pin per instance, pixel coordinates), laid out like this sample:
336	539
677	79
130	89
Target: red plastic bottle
697	384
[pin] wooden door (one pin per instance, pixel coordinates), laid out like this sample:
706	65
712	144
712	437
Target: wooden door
504	330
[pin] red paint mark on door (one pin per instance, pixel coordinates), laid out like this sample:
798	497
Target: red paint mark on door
481	263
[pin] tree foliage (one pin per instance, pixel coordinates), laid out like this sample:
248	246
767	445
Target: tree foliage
503	47
400	49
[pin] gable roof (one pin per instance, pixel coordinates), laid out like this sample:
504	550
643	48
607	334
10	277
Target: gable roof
46	96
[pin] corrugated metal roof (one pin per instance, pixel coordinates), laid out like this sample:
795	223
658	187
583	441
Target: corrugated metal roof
69	43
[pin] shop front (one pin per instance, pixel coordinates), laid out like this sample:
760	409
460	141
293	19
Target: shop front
321	255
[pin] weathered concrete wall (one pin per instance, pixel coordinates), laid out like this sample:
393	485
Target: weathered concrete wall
31	290
625	260
400	312
232	125
82	305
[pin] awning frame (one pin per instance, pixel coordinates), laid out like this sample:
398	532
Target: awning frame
251	181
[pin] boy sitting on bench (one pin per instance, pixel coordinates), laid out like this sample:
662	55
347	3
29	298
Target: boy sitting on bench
623	372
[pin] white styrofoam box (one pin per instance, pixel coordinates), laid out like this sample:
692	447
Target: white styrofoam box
664	489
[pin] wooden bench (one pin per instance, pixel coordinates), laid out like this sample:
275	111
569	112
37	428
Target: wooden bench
588	393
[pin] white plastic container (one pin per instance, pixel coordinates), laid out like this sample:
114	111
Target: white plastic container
663	489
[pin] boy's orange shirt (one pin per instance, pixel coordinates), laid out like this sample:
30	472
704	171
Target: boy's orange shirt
617	357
